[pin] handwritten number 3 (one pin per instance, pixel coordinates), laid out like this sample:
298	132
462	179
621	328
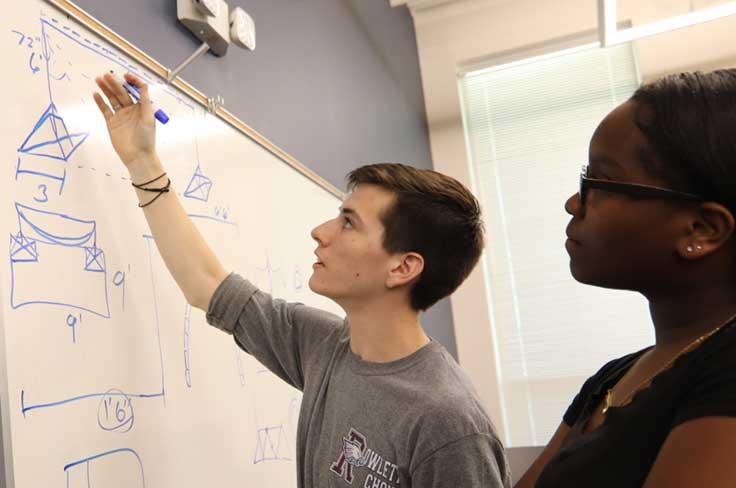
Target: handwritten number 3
44	197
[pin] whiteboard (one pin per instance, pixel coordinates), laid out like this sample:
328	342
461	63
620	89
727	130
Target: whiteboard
108	378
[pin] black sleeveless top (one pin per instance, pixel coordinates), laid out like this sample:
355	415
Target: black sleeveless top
622	450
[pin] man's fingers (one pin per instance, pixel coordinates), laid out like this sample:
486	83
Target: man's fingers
118	90
111	97
106	112
140	84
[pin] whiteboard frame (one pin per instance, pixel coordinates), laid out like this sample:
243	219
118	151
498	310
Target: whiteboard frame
71	9
6	448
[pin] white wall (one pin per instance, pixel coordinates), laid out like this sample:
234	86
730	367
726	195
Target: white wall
451	35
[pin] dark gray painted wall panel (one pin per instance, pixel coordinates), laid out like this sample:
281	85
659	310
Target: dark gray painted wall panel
335	83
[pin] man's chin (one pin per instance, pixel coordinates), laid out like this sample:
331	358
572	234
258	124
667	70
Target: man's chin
314	285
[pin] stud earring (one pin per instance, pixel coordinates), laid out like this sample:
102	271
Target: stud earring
698	247
689	248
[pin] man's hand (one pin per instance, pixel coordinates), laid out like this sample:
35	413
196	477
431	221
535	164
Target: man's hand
131	126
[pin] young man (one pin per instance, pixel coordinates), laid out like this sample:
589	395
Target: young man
384	405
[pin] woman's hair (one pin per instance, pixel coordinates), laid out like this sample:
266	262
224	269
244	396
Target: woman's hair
689	120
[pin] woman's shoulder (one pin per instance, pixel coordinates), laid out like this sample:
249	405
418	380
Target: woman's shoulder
617	366
704	383
717	353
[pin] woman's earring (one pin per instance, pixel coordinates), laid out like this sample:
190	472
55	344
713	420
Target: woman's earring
689	248
699	247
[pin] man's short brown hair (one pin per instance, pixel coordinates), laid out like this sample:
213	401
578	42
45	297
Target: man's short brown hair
433	215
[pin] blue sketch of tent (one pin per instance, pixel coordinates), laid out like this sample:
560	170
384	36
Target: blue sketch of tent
199	186
55	260
271	445
119	467
48	147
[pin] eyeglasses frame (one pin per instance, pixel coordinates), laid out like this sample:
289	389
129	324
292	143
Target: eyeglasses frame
632	189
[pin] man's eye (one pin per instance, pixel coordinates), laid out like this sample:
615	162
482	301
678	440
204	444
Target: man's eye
347	223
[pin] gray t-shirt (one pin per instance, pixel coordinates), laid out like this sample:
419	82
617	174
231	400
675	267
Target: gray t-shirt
415	422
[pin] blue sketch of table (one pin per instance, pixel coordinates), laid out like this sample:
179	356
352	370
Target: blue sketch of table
55	260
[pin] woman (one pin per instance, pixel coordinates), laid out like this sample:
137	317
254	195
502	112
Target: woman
655	214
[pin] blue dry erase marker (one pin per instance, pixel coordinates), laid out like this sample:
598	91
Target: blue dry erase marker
136	96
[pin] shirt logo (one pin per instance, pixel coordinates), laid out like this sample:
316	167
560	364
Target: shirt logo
355	454
351	456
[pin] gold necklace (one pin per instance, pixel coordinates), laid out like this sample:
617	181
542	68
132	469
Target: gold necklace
649	379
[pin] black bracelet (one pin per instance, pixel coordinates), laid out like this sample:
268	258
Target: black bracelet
140	186
153	199
164	188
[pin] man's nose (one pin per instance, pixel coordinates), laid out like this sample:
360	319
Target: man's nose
320	233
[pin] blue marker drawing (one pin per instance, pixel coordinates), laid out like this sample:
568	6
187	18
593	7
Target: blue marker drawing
51	25
118	467
112	392
71	321
115	412
222	211
119	281
63	76
44	197
272	445
298	281
21	39
279	277
270	271
214	219
239	364
199	186
187	335
55	260
293	421
49	145
157	322
34	68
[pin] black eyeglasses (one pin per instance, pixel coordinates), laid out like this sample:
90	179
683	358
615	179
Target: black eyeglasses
630	189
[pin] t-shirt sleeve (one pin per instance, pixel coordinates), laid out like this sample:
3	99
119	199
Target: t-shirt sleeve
283	336
711	384
473	461
578	403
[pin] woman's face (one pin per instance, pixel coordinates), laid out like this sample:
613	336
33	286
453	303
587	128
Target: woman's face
615	240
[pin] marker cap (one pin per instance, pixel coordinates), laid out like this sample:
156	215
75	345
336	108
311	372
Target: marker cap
161	116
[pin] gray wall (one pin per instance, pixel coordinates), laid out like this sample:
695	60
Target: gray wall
335	83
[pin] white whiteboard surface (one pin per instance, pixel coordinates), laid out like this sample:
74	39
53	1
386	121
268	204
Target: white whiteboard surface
108	378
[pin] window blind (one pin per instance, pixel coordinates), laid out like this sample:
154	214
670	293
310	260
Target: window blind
528	125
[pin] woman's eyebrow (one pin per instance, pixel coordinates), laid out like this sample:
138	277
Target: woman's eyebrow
605	161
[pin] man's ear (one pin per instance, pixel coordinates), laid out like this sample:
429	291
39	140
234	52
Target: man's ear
405	268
